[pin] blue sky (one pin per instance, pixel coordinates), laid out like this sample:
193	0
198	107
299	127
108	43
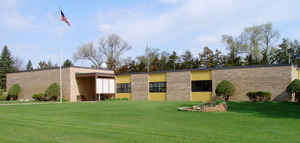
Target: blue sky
31	28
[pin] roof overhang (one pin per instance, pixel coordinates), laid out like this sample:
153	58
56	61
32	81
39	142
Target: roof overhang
96	75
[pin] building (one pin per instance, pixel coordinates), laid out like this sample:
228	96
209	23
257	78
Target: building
86	84
200	84
78	83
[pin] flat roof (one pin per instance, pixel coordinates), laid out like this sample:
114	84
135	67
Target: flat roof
211	68
55	68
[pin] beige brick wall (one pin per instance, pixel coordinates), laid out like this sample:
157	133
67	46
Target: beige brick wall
38	81
273	79
139	86
178	86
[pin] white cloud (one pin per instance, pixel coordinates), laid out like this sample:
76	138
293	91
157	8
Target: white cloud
12	18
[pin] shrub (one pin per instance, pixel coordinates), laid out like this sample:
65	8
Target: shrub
264	96
261	96
297	97
64	99
252	96
1	92
225	89
39	97
52	92
294	88
3	98
13	92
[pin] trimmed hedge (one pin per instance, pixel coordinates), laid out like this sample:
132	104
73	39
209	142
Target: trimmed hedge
259	96
225	89
13	92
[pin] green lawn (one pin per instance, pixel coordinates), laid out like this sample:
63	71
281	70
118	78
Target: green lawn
148	122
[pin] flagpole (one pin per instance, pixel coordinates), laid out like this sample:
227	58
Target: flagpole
60	66
64	19
60	75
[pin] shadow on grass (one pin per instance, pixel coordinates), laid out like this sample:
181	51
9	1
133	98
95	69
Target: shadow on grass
267	109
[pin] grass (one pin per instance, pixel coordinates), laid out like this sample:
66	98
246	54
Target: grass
17	102
149	122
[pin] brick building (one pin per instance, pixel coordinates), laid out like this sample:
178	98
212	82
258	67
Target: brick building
200	84
181	85
77	82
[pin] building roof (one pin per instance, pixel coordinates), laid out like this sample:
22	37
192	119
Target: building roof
55	68
212	68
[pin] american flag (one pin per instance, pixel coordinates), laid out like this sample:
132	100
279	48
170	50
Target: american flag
64	18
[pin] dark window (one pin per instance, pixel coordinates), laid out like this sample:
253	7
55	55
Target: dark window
157	87
123	87
202	86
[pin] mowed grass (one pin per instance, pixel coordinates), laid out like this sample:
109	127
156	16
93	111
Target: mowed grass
149	122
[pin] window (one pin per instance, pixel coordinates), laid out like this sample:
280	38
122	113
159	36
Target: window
157	87
202	86
123	87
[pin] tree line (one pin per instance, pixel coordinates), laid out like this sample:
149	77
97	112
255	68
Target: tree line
258	44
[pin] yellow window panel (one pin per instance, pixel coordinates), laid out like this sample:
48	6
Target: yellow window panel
157	96
201	96
157	77
123	79
201	75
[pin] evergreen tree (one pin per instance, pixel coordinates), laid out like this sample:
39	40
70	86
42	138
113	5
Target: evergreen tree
173	61
67	63
6	66
29	66
187	59
43	65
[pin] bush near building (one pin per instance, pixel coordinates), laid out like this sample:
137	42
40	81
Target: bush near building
52	92
39	97
294	89
225	89
13	92
3	97
259	96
